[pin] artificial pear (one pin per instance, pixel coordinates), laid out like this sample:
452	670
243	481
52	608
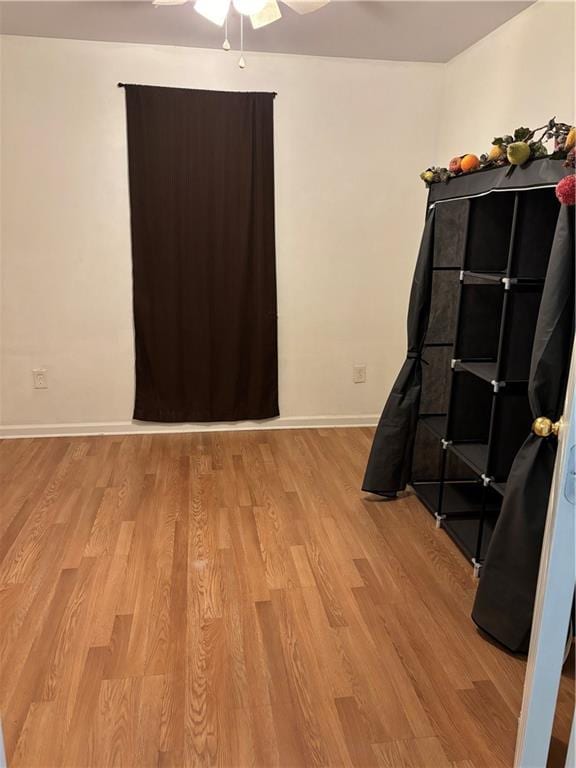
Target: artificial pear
518	153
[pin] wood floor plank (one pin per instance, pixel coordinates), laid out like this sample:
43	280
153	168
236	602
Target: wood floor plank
29	684
80	746
24	622
412	753
289	738
233	599
116	728
355	732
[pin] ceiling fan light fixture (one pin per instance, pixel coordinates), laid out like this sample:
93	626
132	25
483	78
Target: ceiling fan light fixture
271	12
213	10
249	7
306	6
260	12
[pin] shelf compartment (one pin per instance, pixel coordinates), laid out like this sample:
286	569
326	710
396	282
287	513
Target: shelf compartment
521	309
461	498
479	323
470	409
428	493
462	511
490	453
483	370
464	532
475	455
490	232
428	457
535	226
465	499
511	425
457	470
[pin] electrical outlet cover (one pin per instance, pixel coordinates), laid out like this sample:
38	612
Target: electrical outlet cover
40	378
359	374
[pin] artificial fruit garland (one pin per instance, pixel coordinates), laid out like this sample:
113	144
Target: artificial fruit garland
510	150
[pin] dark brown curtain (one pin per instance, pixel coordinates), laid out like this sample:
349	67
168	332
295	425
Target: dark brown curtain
201	167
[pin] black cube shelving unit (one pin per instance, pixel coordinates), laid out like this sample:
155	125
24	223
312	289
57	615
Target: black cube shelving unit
491	253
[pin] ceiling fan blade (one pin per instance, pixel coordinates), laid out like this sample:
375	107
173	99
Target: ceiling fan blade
305	6
213	10
271	12
169	2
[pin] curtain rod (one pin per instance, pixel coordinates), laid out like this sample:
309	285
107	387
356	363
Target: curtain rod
124	85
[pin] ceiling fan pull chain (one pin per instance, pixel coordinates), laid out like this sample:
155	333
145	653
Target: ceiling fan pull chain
226	43
241	60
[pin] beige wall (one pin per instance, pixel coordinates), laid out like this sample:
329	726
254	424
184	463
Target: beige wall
351	138
520	74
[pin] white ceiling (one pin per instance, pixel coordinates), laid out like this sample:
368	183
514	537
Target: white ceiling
415	30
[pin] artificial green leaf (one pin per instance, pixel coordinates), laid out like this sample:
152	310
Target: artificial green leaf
538	149
521	134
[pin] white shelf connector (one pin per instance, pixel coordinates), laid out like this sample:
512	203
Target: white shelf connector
509	281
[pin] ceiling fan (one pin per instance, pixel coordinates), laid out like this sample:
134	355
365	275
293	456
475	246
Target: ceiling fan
260	12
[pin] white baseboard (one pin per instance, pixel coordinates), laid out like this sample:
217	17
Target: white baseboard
14	431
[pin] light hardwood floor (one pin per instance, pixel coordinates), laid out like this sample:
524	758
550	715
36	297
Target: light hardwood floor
233	599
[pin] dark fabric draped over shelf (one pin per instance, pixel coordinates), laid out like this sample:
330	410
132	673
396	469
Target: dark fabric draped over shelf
538	173
451	432
389	465
505	598
201	169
